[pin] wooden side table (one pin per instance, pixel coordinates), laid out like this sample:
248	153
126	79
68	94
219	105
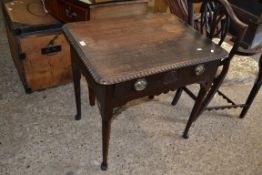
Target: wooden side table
137	57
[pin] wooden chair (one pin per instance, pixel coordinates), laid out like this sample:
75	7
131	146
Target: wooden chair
216	18
184	9
179	8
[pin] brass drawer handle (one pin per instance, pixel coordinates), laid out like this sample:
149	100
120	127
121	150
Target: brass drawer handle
140	84
200	69
70	13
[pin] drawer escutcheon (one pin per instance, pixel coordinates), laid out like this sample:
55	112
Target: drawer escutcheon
140	84
200	69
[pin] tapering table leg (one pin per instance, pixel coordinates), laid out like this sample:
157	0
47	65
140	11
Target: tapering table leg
106	114
76	79
254	91
91	96
106	128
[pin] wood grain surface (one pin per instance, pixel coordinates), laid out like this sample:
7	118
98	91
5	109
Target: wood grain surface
46	70
28	12
124	49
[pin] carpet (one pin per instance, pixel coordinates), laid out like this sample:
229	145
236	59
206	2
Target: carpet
243	69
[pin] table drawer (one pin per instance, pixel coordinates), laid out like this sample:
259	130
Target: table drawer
68	12
166	81
119	9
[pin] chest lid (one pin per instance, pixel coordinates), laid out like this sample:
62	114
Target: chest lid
26	16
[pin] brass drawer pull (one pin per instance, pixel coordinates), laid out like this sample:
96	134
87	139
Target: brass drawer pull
200	69
140	84
70	13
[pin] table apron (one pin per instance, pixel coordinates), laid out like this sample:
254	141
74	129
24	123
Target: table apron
163	82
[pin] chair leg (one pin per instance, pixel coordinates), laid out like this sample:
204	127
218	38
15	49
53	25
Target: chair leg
151	97
177	96
196	109
205	95
253	92
215	86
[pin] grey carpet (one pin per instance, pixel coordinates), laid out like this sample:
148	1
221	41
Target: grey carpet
38	134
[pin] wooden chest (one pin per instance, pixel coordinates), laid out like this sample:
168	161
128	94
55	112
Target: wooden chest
84	10
39	49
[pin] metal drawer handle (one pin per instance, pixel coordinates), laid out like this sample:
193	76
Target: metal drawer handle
200	69
51	50
70	13
140	84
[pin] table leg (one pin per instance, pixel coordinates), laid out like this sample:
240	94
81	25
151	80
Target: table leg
106	113
197	107
106	128
177	96
76	78
254	91
91	96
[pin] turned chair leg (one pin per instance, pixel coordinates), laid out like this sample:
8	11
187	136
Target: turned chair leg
205	95
254	91
196	109
215	86
177	96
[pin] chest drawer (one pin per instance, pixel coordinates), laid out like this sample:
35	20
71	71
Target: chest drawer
69	12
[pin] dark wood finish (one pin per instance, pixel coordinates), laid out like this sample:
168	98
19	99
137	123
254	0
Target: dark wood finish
254	91
52	7
249	12
77	87
184	9
115	55
240	51
180	8
245	106
105	68
39	49
216	18
177	96
118	9
73	10
202	95
91	94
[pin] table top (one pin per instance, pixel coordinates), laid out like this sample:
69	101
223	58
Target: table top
123	49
